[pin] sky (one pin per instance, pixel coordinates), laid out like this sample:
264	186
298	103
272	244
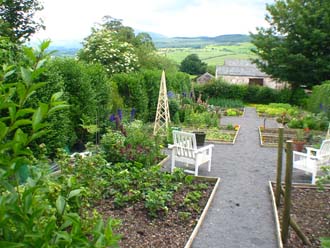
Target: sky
73	19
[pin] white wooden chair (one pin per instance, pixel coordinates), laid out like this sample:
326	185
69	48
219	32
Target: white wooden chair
313	159
81	154
185	150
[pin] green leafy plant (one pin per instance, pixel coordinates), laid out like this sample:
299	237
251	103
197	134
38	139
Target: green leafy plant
38	212
325	242
156	201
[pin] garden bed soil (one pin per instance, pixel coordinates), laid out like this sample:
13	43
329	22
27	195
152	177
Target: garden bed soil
170	230
311	210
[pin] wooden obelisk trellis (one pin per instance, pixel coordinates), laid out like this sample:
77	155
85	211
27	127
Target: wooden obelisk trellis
162	115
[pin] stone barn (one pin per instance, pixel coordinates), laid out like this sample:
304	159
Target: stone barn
205	78
238	71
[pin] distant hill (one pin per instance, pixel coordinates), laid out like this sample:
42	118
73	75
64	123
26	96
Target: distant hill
200	42
70	48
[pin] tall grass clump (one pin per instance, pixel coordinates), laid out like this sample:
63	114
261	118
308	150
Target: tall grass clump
226	103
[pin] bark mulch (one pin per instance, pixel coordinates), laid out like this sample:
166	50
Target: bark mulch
311	210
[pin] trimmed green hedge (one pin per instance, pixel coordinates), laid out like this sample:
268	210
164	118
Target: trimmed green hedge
249	94
141	89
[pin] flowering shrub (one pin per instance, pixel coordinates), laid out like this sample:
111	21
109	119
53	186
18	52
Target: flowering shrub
103	47
132	143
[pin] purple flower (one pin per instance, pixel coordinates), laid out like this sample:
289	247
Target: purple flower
170	94
112	118
184	94
133	112
120	114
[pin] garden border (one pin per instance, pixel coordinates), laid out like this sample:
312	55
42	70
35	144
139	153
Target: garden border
207	206
164	160
277	221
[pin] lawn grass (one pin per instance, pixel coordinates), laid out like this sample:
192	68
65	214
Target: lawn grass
211	54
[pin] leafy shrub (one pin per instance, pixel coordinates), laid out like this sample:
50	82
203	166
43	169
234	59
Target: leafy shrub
173	107
135	144
141	89
319	101
112	142
201	120
86	89
311	121
40	212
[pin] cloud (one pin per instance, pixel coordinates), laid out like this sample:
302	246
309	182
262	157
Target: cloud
73	19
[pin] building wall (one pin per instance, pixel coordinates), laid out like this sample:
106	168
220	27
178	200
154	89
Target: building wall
269	82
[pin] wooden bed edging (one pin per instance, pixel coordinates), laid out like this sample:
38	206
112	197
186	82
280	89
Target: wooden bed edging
296	185
277	222
164	160
261	141
202	217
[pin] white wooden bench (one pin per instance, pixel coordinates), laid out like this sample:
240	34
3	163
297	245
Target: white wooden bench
185	150
313	159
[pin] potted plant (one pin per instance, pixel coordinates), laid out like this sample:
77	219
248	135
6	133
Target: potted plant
200	137
299	141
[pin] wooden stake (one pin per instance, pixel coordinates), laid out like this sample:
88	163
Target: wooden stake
279	166
296	227
287	197
299	232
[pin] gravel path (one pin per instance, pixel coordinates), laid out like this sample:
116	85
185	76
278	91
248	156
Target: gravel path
241	213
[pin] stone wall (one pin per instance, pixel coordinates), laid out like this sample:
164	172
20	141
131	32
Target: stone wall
269	82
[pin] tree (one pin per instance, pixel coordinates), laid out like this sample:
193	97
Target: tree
193	65
118	49
17	19
295	48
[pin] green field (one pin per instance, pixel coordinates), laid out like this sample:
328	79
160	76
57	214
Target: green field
211	54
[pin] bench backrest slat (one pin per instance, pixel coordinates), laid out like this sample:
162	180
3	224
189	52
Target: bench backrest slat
185	143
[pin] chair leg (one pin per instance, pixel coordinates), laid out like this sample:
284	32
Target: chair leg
209	165
172	163
313	177
196	169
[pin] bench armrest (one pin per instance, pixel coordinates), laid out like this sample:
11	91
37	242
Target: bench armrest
302	154
171	146
312	151
204	148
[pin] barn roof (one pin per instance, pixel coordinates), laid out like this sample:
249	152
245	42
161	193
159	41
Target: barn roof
235	67
205	77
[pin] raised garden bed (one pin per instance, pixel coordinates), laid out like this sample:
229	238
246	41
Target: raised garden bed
177	228
269	136
310	209
232	112
222	135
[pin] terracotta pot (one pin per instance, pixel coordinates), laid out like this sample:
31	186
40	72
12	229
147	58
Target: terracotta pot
298	145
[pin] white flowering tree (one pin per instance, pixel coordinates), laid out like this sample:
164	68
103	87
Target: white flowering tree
103	46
